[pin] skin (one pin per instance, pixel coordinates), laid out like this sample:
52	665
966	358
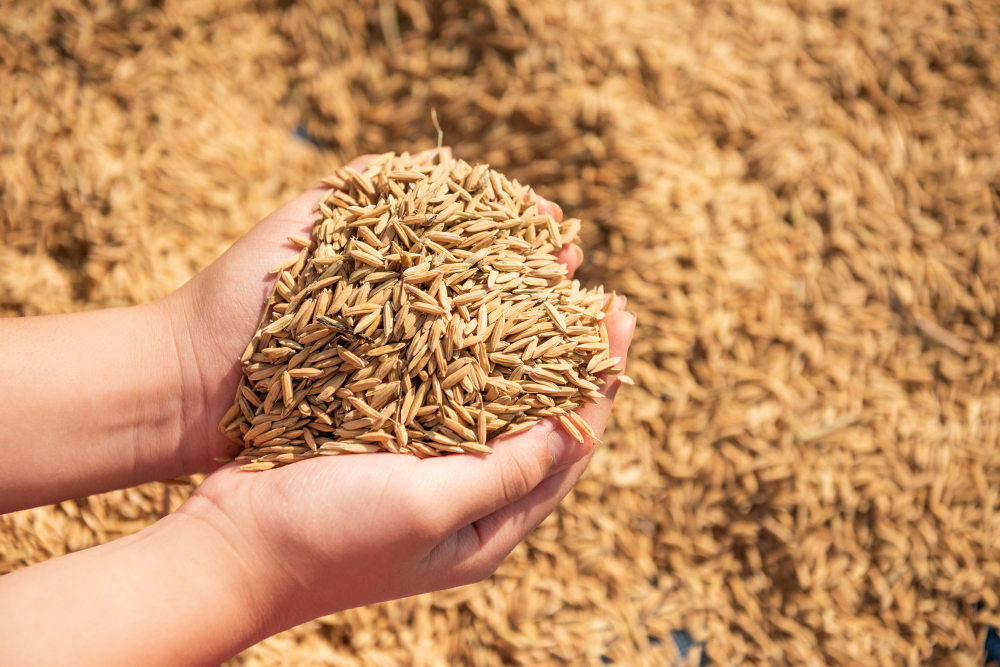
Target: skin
109	399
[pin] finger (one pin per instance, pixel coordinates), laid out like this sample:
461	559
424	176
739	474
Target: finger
519	462
620	302
475	550
572	256
621	329
546	207
477	486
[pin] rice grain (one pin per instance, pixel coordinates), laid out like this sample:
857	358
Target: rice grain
415	308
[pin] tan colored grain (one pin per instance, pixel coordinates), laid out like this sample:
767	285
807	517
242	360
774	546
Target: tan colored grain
440	352
789	193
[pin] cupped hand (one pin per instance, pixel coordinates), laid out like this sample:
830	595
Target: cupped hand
332	533
215	314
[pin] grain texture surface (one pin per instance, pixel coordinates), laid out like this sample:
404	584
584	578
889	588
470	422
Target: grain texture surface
800	198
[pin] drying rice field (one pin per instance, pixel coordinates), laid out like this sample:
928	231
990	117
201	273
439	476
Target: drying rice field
800	198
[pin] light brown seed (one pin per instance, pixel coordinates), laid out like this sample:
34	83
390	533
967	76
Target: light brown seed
454	293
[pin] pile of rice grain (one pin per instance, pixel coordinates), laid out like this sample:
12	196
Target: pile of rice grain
427	314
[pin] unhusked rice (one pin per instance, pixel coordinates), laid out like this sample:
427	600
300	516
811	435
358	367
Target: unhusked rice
427	314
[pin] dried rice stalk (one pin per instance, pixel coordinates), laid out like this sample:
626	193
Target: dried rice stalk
423	317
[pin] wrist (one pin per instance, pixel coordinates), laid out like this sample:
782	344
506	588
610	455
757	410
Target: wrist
243	566
157	397
202	384
220	578
178	592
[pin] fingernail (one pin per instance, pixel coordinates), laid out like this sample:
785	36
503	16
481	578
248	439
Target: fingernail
635	318
622	302
559	211
565	451
579	253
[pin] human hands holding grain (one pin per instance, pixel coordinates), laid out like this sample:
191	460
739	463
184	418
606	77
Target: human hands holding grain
248	554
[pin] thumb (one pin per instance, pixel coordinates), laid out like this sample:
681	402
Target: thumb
520	462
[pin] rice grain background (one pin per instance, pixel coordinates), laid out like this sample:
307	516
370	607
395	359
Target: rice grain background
800	198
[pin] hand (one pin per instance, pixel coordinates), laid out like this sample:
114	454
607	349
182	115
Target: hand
215	315
389	526
336	532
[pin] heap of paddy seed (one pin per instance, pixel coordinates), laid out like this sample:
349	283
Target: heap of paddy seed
426	315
